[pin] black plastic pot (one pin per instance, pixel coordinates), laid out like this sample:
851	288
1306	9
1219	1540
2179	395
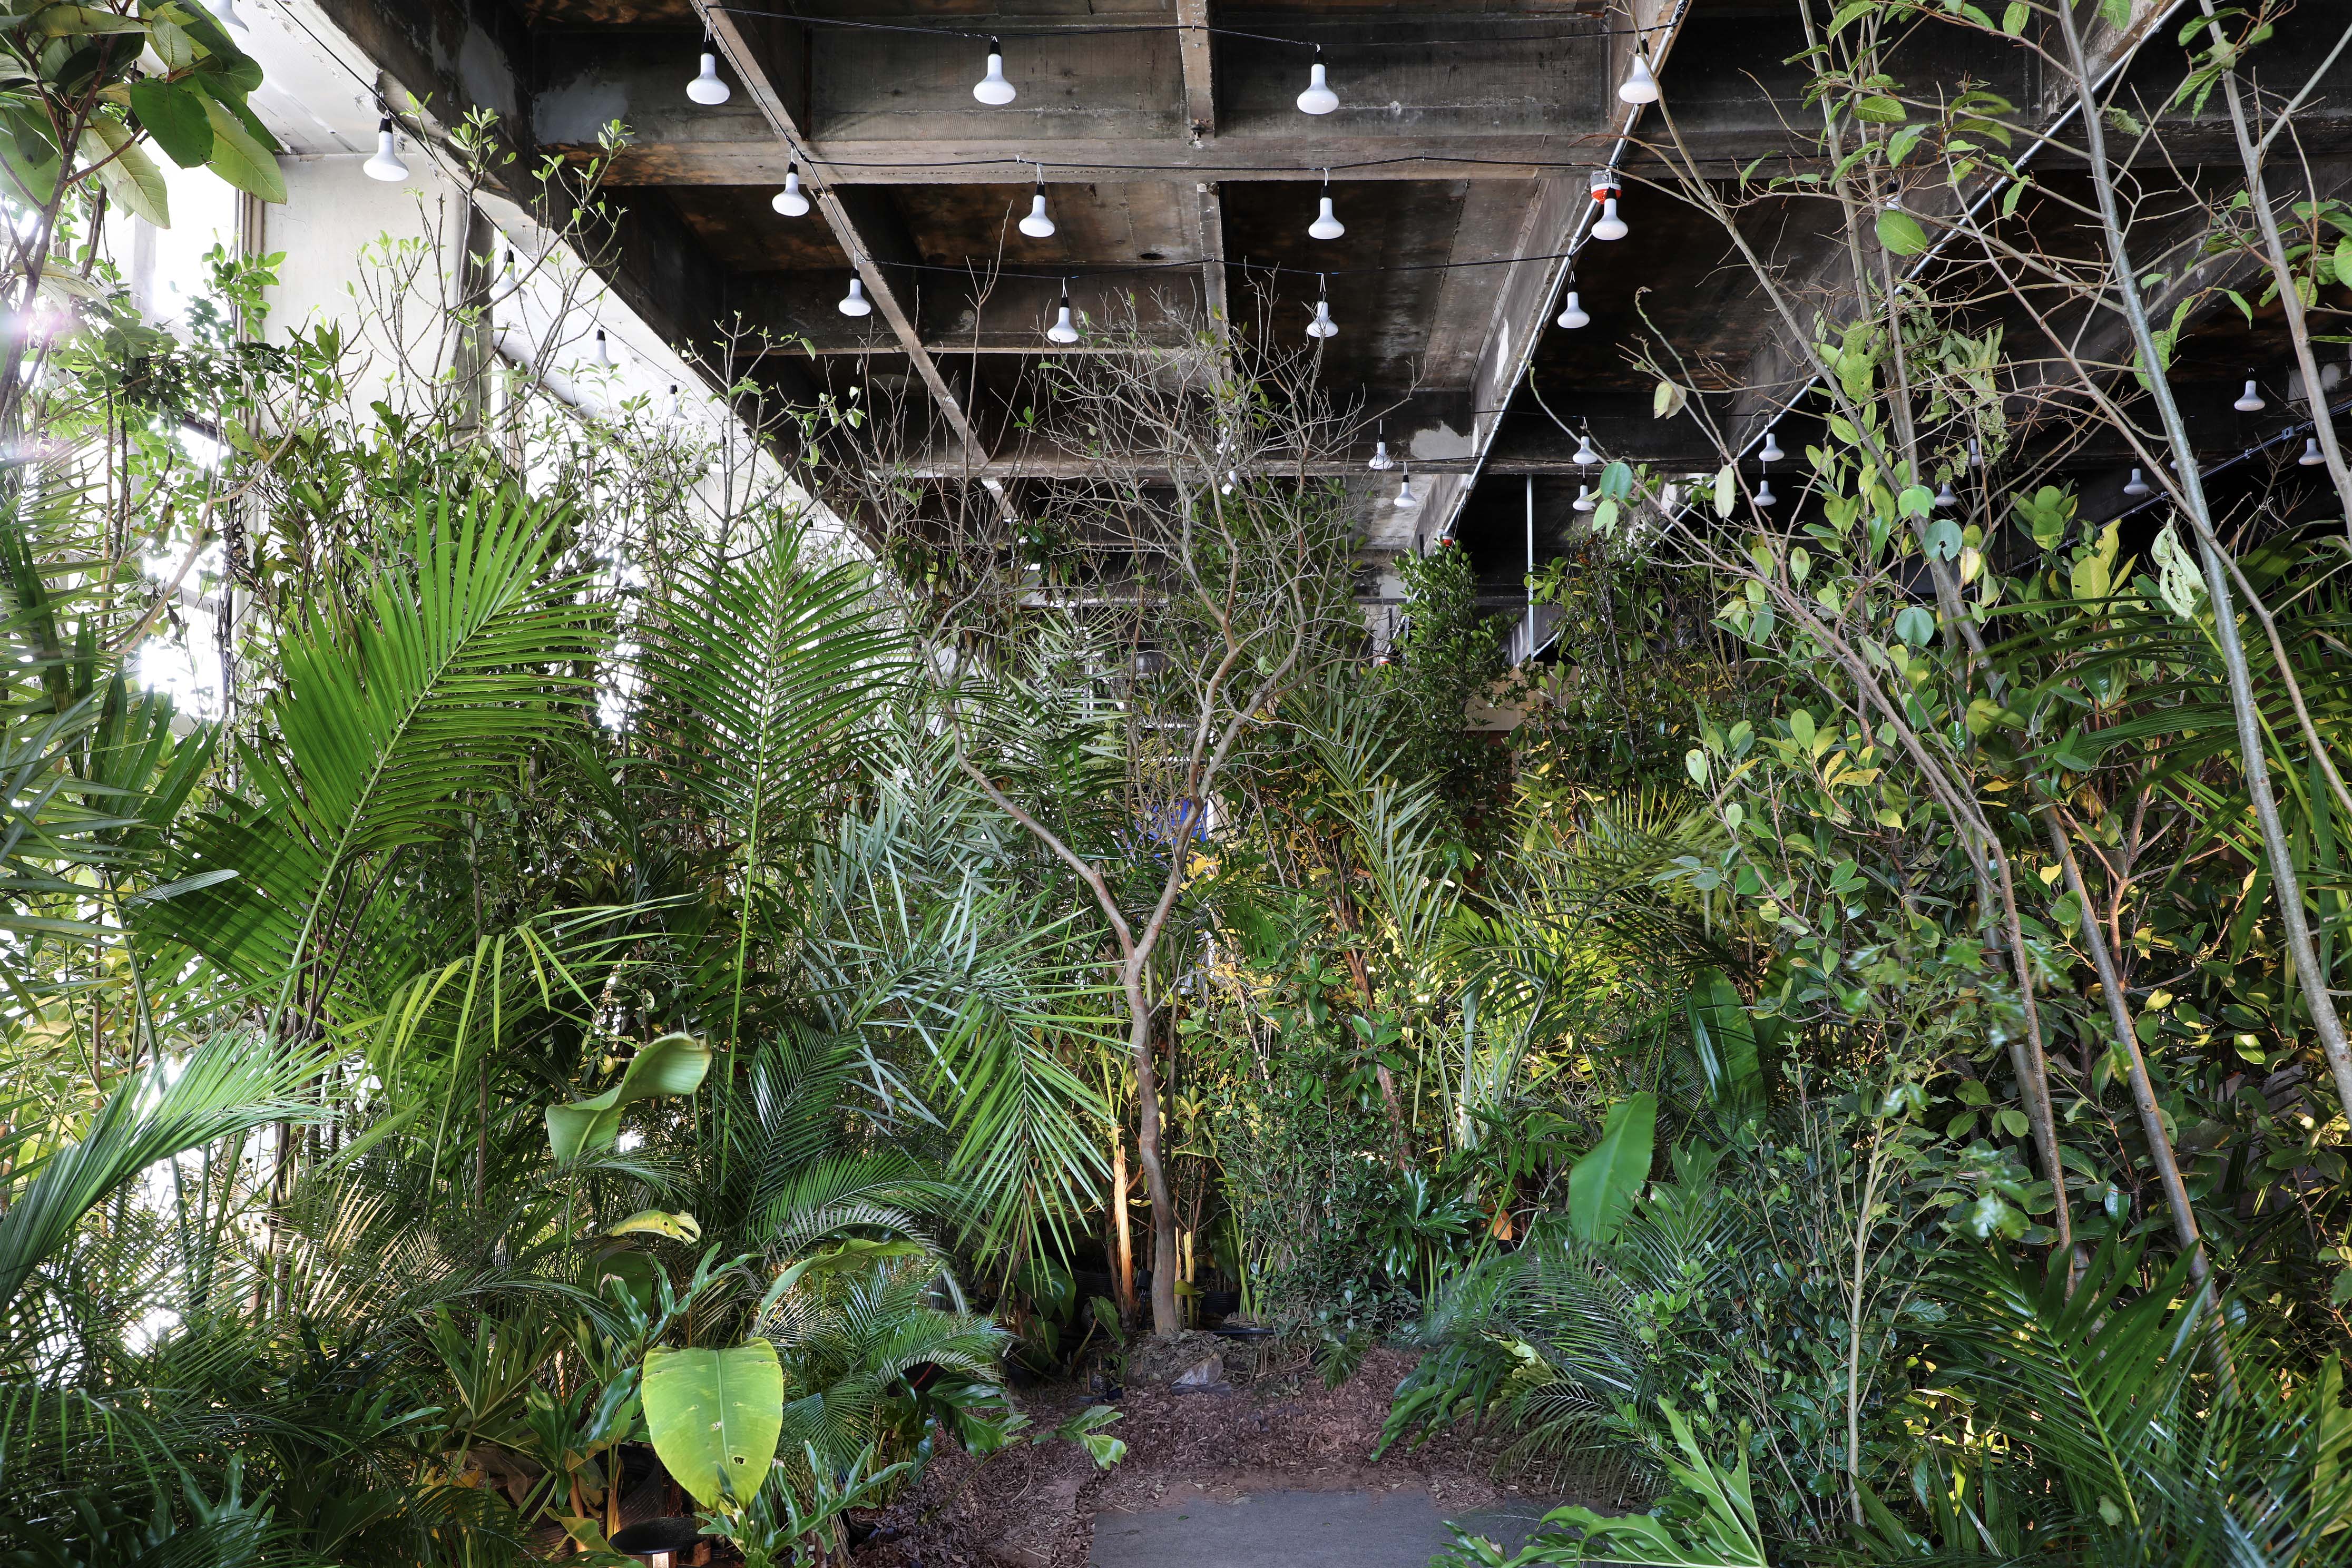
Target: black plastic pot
643	1539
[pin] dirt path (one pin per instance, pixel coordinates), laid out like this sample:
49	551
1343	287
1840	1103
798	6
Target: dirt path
1278	1431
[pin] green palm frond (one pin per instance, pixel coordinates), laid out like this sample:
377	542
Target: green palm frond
463	659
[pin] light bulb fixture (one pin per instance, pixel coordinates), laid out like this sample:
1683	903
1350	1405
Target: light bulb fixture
1764	496
225	13
509	271
1037	225
1233	478
604	350
1382	462
1976	455
1406	499
992	88
673	407
1063	331
1327	224
2250	400
1318	98
386	164
708	89
1609	225
1322	326
1584	501
1771	452
2312	456
1640	85
1571	315
2136	485
1945	500
1585	456
792	201
855	302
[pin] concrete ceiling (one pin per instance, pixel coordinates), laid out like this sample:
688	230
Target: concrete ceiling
1177	168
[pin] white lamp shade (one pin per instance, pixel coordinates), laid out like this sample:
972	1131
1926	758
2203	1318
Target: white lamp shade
386	164
2250	400
992	88
1063	331
1764	496
1610	226
709	88
1639	86
2136	485
1945	500
1327	224
1585	456
1406	499
792	201
1382	462
1322	326
855	302
2312	456
1771	452
1584	501
1318	98
1571	315
1037	225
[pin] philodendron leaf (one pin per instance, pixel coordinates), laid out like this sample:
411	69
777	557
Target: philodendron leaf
656	1222
672	1065
1602	1185
714	1417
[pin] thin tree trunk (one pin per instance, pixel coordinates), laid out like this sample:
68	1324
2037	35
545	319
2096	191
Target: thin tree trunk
1123	1252
1165	1318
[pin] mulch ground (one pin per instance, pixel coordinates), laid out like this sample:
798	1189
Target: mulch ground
1275	1427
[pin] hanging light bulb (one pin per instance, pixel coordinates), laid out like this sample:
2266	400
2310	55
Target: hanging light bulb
674	410
1585	456
386	164
792	201
2250	400
1573	315
992	88
1639	86
604	350
855	302
1037	225
1584	501
2136	486
225	13
1406	499
1382	462
1327	224
1771	452
1609	225
1318	98
1945	500
708	88
2312	456
509	270
1063	331
1233	478
1764	496
1976	457
1322	326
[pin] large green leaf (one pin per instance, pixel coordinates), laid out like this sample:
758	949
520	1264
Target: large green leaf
174	113
1602	1185
131	177
714	1417
240	159
674	1064
1723	1038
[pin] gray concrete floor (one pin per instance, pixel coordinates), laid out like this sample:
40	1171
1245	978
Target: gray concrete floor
1301	1530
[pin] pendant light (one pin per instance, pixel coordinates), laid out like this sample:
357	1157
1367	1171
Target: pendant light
1571	315
2312	456
2250	400
855	302
1327	224
1639	85
1771	452
386	164
1609	225
604	350
1764	496
1037	225
992	88
792	201
1322	326
1406	499
1945	500
673	403
708	89
1063	331
1318	98
2136	486
1584	501
1585	456
1976	455
1382	462
225	13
